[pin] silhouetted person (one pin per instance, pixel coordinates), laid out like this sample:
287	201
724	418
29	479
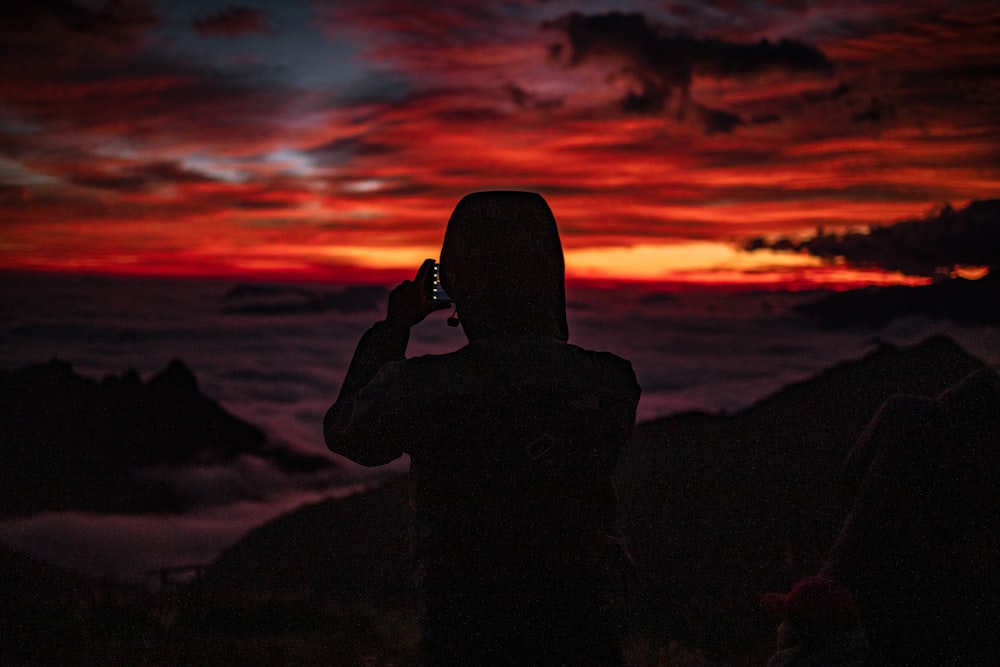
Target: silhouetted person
512	441
920	548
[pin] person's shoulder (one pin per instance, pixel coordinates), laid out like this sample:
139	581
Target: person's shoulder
554	346
436	360
608	360
572	364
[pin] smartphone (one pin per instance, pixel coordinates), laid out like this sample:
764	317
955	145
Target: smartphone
437	292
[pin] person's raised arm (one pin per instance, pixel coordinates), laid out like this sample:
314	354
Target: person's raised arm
348	425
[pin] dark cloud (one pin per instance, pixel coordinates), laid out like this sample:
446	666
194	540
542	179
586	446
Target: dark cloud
116	23
841	90
970	90
342	151
660	65
630	40
469	113
14	195
716	121
766	119
93	75
231	21
266	204
923	247
425	25
518	95
673	58
138	177
876	112
716	57
141	97
649	96
527	100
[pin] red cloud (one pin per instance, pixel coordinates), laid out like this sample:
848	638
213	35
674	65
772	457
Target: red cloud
112	149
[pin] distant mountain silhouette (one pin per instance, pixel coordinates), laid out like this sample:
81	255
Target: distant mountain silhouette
68	442
717	508
256	299
961	301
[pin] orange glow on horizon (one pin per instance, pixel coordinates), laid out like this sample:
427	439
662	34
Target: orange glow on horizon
678	266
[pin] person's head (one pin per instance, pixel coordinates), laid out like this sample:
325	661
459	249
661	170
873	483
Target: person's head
502	265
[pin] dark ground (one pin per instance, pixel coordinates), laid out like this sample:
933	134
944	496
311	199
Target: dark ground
717	509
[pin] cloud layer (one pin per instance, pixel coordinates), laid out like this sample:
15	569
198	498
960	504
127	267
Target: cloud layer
307	138
660	66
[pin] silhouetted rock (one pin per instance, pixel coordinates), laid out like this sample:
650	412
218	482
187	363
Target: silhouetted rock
67	442
958	300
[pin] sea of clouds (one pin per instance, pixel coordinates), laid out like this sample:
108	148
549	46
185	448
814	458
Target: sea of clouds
275	356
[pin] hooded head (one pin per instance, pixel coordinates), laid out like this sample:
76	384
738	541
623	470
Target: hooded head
502	264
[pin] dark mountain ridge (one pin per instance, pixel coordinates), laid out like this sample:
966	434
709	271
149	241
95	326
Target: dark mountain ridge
69	442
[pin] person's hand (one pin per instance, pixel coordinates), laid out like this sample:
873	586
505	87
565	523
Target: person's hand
410	302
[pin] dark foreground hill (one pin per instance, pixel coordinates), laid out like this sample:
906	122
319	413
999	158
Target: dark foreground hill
717	509
69	442
355	546
720	509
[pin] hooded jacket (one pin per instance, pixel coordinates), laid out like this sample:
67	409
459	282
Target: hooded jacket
512	442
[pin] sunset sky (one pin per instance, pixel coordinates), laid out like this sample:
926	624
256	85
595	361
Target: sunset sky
312	139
